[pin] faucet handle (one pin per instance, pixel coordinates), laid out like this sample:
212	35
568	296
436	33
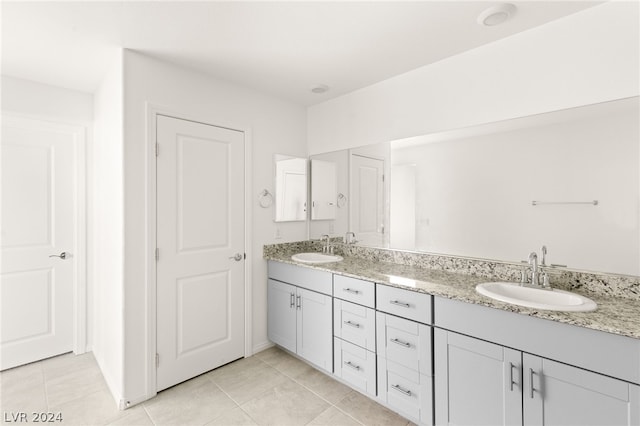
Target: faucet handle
523	276
545	280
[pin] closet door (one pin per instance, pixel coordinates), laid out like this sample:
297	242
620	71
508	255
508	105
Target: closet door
200	238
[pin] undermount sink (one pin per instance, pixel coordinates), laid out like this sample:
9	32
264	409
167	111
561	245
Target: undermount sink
538	298
316	258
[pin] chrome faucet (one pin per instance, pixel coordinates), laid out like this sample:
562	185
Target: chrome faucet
325	238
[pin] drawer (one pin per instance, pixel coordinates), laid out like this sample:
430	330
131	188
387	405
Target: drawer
357	291
355	324
405	342
404	303
406	391
355	365
311	279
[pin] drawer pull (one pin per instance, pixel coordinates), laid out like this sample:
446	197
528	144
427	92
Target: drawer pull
401	343
352	324
350	290
401	390
350	364
399	303
292	300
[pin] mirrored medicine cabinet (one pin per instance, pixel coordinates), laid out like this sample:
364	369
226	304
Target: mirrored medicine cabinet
291	188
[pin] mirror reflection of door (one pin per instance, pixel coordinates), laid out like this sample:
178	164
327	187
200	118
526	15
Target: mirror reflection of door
324	193
291	188
367	200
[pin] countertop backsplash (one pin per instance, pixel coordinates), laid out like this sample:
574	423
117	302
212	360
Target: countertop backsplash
597	283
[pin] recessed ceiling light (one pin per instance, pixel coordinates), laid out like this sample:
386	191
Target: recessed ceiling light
496	15
320	88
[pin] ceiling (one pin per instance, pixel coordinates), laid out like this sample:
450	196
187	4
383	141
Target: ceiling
280	48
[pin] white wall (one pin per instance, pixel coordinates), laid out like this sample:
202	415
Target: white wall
588	57
106	222
277	127
473	195
46	102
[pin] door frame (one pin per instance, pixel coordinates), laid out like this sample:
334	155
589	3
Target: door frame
152	112
80	134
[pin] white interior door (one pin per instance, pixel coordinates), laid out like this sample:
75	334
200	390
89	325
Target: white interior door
200	240
38	221
367	200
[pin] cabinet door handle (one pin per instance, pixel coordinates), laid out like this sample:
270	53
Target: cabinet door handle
298	302
531	389
352	324
401	389
401	343
399	303
352	365
350	290
292	300
511	382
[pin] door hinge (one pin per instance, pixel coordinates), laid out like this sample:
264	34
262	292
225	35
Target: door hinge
157	254
157	360
157	149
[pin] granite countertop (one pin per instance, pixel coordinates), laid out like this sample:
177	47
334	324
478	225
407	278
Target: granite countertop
615	315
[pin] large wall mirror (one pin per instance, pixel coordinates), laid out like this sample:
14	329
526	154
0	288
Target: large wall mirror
291	188
568	179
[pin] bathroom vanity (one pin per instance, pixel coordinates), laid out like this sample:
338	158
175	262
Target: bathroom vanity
423	343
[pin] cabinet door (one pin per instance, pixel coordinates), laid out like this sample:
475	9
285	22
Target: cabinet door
476	382
315	335
281	314
559	394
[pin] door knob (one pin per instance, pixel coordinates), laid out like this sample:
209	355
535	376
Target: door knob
62	255
238	257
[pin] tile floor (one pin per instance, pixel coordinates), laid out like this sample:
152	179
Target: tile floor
269	388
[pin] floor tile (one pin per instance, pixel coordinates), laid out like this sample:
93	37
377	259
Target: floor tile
97	408
322	384
23	390
286	404
195	402
368	412
246	379
235	417
68	363
73	384
334	417
284	362
135	416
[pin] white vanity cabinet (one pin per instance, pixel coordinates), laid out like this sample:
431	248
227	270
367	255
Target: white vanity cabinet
403	336
478	382
299	312
354	329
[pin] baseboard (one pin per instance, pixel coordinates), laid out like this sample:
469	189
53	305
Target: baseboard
262	346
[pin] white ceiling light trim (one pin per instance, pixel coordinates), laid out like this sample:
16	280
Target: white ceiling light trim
496	15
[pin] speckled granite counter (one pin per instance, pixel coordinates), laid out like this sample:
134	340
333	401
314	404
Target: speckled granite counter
617	315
